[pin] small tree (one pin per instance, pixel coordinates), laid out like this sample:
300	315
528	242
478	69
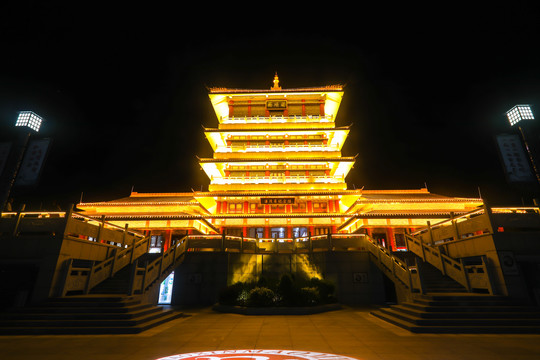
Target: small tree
286	289
260	296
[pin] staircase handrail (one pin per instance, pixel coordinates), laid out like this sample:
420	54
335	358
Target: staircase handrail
85	279
469	276
397	270
145	277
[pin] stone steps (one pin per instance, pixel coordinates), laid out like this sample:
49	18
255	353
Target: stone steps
462	314
86	315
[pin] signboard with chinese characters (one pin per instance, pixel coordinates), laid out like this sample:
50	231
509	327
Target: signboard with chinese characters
514	158
272	201
32	163
276	104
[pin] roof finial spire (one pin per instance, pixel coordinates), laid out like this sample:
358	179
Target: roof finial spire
276	83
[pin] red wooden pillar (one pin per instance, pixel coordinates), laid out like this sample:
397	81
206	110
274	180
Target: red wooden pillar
231	108
249	108
321	107
267	231
303	107
390	238
167	240
218	207
244	231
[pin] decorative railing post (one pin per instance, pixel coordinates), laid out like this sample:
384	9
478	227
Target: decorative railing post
131	256
69	265
430	232
113	263
420	277
487	274
465	276
89	278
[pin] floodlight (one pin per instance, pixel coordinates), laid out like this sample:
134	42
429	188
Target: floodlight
518	113
29	119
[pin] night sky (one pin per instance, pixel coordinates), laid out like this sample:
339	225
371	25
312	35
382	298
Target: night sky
124	102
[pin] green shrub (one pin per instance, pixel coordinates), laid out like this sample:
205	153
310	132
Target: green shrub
308	296
326	289
286	289
230	295
260	296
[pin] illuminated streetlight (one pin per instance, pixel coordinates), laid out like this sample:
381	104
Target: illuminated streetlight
518	113
30	120
515	115
29	123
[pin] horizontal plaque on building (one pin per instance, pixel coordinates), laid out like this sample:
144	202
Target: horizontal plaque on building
268	201
276	104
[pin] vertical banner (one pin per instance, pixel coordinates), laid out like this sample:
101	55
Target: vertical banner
4	155
32	163
515	160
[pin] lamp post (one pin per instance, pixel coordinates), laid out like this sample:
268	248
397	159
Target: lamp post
515	116
29	123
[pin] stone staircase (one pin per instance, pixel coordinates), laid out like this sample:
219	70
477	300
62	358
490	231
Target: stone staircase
462	314
435	282
86	314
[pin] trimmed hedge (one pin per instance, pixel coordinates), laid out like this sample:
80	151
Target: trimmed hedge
285	292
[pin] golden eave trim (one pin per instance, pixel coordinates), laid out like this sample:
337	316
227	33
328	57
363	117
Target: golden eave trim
327	88
291	159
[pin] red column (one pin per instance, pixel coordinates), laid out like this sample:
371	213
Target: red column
231	108
249	108
390	238
167	240
303	107
321	107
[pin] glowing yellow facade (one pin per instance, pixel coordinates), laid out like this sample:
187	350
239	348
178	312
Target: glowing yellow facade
277	171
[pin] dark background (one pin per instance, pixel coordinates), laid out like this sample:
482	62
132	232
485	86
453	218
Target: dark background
124	90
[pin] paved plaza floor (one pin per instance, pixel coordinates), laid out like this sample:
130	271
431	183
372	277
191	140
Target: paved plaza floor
351	332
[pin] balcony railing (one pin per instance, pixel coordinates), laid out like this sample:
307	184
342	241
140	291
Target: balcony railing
278	180
278	147
276	119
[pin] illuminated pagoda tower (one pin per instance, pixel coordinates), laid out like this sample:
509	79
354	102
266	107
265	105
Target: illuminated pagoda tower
277	171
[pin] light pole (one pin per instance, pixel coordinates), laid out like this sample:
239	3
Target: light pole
29	123
515	115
